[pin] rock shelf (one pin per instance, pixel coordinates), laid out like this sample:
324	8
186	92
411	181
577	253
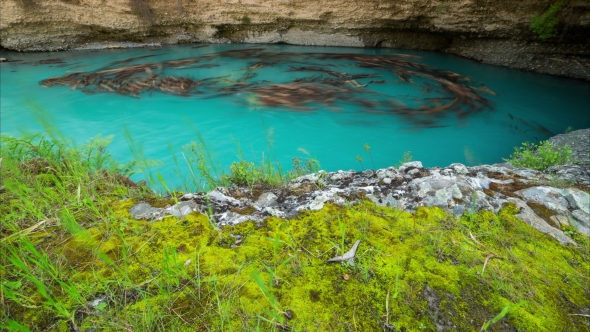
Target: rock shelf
550	202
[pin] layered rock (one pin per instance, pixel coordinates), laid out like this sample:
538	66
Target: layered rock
493	32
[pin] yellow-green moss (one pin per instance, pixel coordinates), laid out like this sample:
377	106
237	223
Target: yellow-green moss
427	265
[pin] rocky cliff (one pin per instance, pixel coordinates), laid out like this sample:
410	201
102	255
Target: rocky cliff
491	31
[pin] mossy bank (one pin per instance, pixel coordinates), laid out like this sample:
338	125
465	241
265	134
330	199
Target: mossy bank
73	258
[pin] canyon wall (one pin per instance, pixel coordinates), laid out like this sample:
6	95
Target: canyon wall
492	31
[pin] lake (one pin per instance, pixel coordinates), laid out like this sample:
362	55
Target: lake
279	102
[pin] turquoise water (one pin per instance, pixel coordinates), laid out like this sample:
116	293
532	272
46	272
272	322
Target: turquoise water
249	99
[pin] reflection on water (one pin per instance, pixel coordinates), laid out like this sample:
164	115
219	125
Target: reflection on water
328	101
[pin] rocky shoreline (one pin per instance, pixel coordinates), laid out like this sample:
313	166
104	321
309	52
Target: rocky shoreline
554	202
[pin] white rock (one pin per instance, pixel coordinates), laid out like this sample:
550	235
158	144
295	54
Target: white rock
528	215
550	197
581	222
318	202
274	212
459	168
578	199
405	166
266	199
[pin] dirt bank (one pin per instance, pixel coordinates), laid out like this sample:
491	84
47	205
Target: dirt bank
495	32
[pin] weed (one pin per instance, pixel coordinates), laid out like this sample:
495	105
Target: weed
273	270
360	159
300	167
245	19
246	173
507	309
406	158
368	149
270	297
539	157
196	157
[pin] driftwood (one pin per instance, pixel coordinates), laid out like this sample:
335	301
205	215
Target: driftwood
349	256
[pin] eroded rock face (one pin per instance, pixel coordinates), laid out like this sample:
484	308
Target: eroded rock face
492	32
456	188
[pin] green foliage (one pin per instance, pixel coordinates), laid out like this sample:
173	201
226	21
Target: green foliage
300	167
368	149
406	158
242	172
203	165
245	19
545	25
360	159
539	157
91	156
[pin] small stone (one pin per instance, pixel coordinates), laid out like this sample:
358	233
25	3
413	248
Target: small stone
387	180
274	212
188	196
142	210
578	199
413	172
458	210
459	168
267	199
95	303
581	222
318	202
413	164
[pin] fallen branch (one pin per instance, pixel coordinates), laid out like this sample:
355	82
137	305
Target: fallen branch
348	256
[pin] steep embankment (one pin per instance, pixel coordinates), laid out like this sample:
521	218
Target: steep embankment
495	32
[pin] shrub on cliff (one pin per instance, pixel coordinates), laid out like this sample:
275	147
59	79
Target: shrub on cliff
539	157
545	25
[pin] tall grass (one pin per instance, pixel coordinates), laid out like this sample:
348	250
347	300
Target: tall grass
54	191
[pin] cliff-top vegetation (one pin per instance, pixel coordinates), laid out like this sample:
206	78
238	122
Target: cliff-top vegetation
74	259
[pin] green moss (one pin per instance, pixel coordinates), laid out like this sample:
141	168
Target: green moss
245	211
426	265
